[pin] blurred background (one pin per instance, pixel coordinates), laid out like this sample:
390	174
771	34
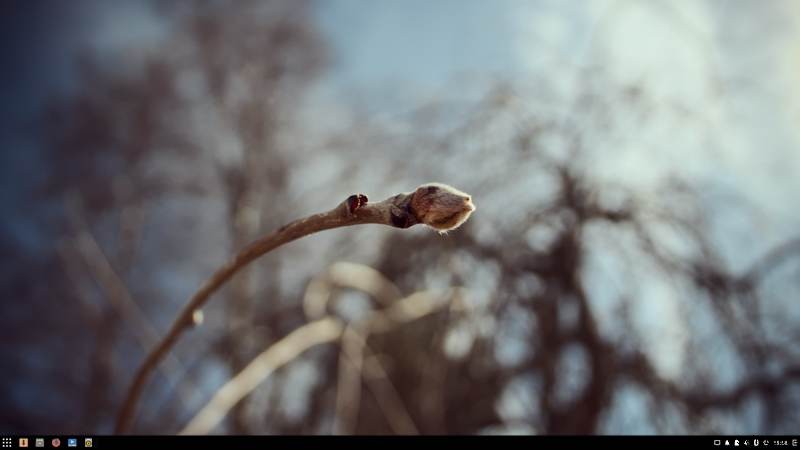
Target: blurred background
633	266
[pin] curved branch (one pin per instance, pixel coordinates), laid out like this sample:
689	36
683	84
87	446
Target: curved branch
326	329
396	211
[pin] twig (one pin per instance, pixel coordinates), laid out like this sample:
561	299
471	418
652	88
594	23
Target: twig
354	347
324	330
285	350
368	366
352	276
387	395
88	249
435	205
127	308
348	389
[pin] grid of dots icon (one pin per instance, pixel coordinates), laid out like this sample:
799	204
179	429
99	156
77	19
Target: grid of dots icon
7	442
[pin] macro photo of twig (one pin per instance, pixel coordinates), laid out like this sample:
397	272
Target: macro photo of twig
261	218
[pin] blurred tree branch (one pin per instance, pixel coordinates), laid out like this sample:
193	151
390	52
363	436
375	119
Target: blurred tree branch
326	329
117	292
314	333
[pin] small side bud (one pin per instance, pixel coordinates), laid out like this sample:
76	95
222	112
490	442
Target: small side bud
197	317
356	201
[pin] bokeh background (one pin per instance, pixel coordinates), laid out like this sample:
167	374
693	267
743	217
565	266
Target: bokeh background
633	266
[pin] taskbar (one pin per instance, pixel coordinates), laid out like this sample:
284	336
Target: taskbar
380	442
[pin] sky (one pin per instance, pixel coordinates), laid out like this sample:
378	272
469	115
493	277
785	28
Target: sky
737	70
740	66
39	43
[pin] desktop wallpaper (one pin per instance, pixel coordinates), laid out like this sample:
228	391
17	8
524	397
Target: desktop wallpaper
632	265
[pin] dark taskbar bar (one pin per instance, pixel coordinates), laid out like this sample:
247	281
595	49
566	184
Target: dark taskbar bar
380	442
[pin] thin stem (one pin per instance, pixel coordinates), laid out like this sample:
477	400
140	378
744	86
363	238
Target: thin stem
393	211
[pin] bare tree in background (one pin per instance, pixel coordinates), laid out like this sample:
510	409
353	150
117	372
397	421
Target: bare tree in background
584	357
198	118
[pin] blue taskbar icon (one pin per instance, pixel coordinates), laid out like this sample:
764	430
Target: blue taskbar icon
72	442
